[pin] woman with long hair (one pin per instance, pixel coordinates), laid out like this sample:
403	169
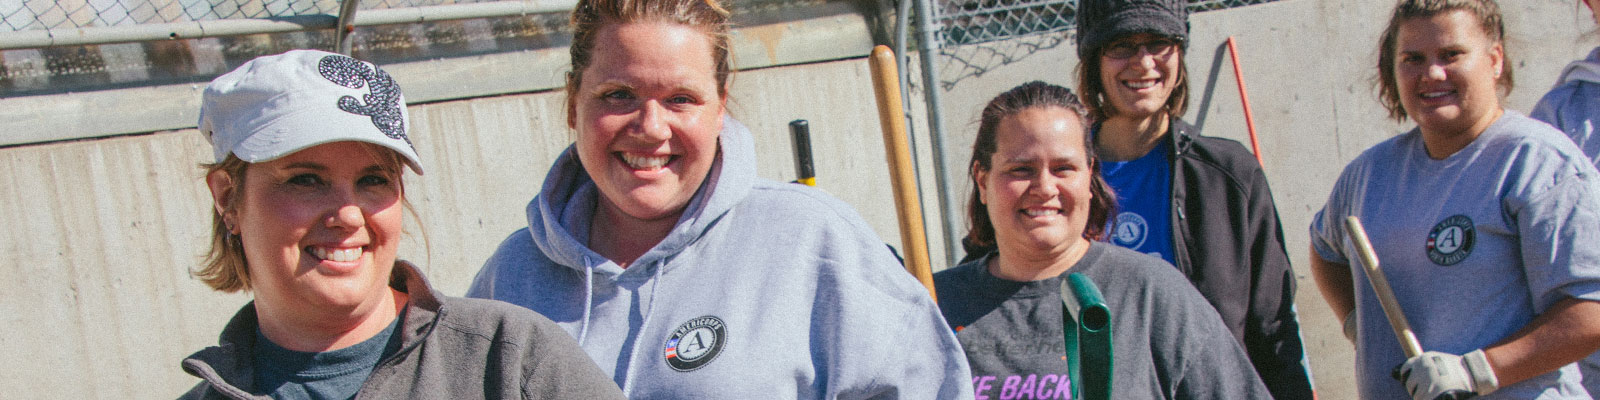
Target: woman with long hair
1039	201
1201	203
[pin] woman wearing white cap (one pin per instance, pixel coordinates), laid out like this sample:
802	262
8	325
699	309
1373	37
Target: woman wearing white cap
309	148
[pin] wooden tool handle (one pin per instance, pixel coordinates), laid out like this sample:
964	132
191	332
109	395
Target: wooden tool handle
1380	284
913	239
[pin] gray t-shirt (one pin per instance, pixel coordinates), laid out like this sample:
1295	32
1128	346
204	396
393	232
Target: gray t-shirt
1168	343
1474	245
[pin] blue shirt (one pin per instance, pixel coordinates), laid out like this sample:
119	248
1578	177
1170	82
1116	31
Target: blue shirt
1144	189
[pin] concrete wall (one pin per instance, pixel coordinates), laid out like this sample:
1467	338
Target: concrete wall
102	232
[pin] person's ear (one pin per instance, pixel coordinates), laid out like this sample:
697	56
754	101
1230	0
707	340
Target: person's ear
572	107
222	196
980	178
1497	54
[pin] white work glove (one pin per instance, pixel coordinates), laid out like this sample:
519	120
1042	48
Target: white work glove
1350	326
1434	375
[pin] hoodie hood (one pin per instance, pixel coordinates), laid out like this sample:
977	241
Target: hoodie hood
559	217
1585	70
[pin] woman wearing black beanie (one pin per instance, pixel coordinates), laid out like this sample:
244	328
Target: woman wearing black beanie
1201	203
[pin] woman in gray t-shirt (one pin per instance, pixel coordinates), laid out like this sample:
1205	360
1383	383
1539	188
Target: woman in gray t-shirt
1485	221
1040	201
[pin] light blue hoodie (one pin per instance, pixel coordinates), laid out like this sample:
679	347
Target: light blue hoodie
762	290
1573	107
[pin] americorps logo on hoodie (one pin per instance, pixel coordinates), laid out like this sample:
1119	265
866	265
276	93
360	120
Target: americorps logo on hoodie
695	343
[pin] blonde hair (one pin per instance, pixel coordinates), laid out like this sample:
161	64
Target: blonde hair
225	269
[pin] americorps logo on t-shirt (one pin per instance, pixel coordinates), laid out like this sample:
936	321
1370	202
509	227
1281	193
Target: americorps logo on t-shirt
696	343
1130	230
1450	241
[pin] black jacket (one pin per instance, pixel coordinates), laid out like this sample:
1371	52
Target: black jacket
1227	240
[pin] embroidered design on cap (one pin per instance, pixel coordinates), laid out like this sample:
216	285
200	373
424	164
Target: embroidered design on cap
1451	240
382	104
696	343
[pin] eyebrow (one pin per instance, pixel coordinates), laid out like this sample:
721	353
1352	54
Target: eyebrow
320	168
613	84
1032	160
306	165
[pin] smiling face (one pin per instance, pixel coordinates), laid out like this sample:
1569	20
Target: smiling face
648	113
1138	86
1445	73
320	227
1037	190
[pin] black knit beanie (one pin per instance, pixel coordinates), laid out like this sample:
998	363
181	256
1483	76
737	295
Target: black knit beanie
1101	21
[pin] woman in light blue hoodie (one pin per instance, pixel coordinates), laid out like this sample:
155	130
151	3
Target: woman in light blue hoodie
682	274
1573	106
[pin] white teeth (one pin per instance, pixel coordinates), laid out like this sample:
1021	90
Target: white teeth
339	255
1140	84
645	162
1434	95
1041	213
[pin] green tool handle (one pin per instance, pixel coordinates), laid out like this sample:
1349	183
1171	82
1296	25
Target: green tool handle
1086	326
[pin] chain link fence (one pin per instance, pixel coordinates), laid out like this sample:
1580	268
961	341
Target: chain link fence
977	36
76	68
20	15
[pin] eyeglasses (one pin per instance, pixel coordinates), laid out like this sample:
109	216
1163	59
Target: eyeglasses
1127	49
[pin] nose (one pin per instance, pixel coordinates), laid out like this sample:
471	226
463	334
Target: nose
1044	185
1145	58
652	121
1436	72
347	212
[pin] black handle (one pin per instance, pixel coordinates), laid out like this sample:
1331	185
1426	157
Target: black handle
803	166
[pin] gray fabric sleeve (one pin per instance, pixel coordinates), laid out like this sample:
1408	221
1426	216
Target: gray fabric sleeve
1557	230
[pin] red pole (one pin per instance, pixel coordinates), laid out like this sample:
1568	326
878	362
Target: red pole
1249	121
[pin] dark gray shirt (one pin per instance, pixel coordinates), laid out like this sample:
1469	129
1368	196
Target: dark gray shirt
1168	342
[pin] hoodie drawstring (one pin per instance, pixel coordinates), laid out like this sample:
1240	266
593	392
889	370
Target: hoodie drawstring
588	298
649	310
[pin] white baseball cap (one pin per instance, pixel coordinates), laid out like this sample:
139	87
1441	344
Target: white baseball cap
276	105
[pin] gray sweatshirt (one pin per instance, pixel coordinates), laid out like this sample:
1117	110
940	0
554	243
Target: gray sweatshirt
762	290
450	348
